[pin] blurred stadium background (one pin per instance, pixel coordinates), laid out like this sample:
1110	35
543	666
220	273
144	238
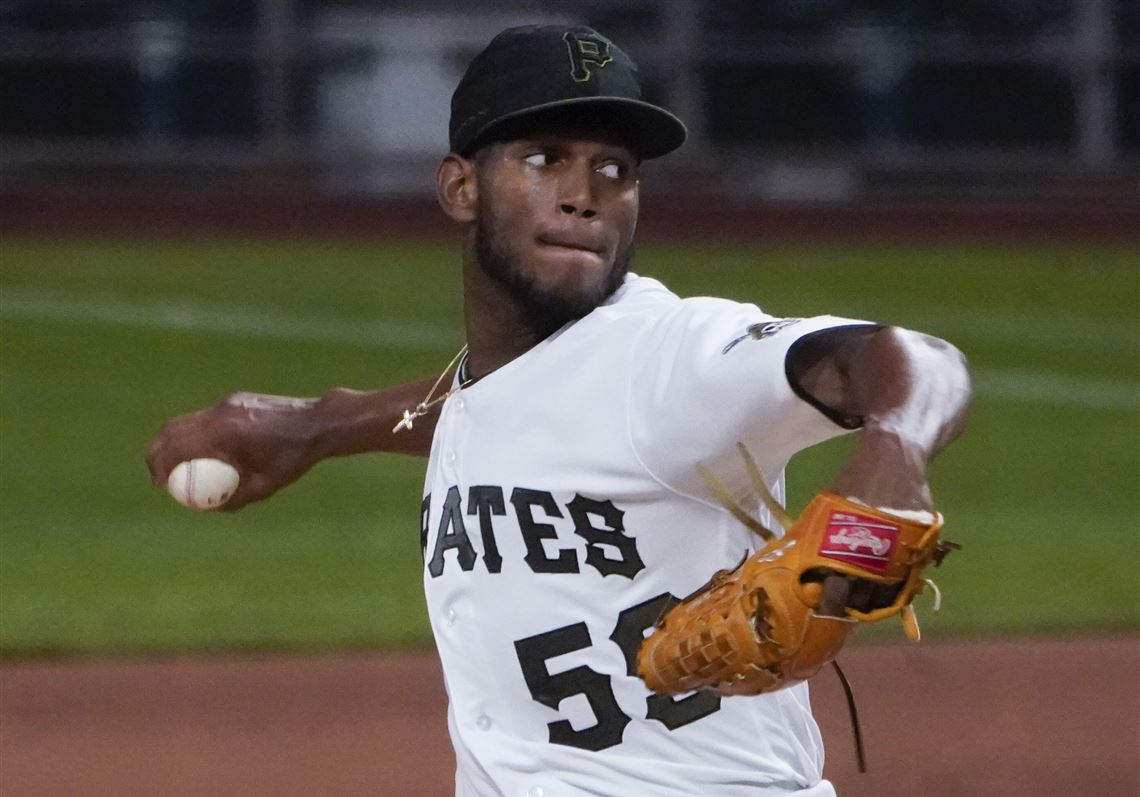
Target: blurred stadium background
787	100
197	197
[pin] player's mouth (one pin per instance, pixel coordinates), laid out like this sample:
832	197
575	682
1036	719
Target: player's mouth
573	245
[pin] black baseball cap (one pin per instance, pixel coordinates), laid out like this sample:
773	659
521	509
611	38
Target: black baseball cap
573	74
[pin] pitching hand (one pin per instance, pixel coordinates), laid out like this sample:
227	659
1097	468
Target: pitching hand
269	439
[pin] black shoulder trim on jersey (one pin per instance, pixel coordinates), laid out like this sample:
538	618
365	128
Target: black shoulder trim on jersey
836	417
461	374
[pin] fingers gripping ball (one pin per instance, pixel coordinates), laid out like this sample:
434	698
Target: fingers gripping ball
755	629
202	483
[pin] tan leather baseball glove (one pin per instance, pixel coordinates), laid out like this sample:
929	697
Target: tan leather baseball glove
755	629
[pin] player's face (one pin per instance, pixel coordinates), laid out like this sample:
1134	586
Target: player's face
556	220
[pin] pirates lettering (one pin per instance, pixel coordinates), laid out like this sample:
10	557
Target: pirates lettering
551	533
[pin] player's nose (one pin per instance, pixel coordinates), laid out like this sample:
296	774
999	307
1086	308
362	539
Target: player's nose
575	192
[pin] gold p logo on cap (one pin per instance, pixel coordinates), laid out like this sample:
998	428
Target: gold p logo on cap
586	49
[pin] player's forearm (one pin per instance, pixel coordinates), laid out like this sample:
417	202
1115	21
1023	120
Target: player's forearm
355	422
885	471
913	392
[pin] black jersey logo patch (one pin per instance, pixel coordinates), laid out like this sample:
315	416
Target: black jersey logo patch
760	331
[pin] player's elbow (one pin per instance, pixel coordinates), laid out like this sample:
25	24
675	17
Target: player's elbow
937	379
929	356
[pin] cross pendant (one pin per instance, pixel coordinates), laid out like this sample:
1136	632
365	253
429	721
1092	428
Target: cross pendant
406	423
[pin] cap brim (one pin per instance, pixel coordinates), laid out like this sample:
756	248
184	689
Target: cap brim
651	130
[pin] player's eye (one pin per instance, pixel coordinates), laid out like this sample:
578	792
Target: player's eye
538	159
613	171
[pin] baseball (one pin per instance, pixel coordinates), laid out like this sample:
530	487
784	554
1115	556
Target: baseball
202	483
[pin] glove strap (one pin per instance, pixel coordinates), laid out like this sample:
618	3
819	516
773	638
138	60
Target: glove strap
856	731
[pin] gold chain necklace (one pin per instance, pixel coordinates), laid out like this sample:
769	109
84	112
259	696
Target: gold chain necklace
429	402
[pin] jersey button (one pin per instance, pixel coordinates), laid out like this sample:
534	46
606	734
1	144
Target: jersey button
450	457
534	791
449	617
483	722
460	404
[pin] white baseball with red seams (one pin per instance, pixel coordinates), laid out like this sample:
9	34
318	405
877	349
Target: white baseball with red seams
202	483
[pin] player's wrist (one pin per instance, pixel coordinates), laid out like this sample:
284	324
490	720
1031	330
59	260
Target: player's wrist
923	517
329	428
885	470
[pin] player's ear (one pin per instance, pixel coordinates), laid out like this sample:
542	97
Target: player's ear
456	189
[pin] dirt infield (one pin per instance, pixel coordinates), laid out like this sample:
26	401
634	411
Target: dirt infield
1046	719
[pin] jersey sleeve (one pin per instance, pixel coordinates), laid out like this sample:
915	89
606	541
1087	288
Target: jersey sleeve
711	373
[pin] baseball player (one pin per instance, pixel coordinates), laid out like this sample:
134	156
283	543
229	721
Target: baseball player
562	507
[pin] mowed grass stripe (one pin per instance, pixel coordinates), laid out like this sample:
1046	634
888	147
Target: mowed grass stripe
1099	336
1032	387
235	320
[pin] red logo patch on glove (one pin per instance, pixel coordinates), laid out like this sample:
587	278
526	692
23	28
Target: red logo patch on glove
859	540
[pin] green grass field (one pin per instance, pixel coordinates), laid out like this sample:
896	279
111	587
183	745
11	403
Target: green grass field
101	341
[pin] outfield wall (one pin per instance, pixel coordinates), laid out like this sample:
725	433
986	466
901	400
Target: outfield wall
696	219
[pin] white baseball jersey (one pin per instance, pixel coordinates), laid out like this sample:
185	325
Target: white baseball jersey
563	512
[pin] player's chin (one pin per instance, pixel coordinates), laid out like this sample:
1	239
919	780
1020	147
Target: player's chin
581	288
556	302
